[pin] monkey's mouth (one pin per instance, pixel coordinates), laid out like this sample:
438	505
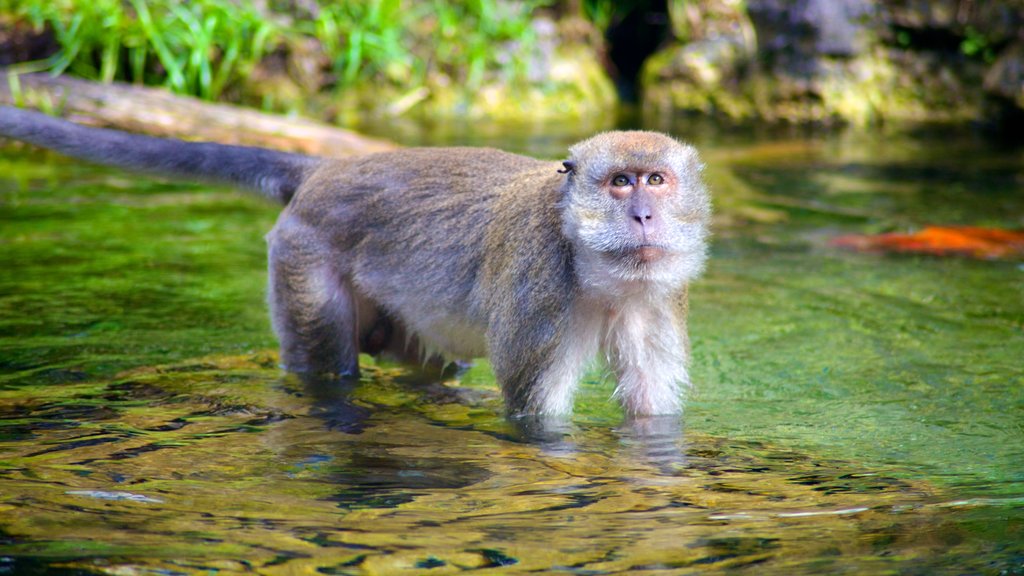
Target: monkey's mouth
643	253
649	253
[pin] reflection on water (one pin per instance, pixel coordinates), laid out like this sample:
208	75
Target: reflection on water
226	466
854	413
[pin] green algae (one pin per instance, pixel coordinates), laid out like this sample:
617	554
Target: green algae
87	288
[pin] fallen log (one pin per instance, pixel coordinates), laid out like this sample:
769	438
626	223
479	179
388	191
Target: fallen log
159	113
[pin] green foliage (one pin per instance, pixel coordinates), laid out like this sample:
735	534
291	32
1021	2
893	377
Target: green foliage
976	45
470	35
600	12
361	38
604	12
203	46
195	47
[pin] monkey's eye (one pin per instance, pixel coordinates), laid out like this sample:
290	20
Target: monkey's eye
656	179
620	180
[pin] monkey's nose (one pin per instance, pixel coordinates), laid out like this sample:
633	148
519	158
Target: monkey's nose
641	206
641	212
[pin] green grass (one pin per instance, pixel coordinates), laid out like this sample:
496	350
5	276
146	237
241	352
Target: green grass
192	48
204	47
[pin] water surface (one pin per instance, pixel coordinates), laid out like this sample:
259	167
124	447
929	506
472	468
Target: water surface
851	413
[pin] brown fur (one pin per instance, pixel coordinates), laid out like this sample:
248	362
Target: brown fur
474	251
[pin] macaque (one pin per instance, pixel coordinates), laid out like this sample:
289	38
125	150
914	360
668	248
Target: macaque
465	252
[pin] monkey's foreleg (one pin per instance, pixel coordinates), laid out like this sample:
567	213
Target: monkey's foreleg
648	352
540	363
313	306
553	391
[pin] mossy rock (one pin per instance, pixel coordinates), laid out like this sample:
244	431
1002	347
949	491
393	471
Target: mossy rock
701	77
876	87
573	86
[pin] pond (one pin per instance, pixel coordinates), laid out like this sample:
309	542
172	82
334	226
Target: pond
855	413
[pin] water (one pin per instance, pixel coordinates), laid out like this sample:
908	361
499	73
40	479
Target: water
852	413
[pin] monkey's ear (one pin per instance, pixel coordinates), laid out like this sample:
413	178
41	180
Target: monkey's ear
570	167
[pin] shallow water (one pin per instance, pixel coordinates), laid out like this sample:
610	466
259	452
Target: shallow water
851	413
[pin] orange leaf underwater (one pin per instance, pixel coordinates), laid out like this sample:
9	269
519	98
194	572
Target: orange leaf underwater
986	243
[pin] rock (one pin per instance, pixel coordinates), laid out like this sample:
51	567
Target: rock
799	32
1005	79
849	61
704	74
1000	21
1004	94
700	77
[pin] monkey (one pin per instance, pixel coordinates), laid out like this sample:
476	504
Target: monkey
463	253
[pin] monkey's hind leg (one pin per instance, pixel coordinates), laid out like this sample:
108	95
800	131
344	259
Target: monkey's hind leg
313	306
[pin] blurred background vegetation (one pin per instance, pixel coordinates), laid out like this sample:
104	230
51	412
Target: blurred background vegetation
823	61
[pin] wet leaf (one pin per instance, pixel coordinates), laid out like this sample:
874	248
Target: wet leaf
972	242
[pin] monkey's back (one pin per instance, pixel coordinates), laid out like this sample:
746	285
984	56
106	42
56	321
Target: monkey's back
410	227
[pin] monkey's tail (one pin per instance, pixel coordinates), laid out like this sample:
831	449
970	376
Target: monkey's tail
275	174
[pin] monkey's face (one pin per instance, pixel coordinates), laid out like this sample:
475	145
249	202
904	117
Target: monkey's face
636	209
